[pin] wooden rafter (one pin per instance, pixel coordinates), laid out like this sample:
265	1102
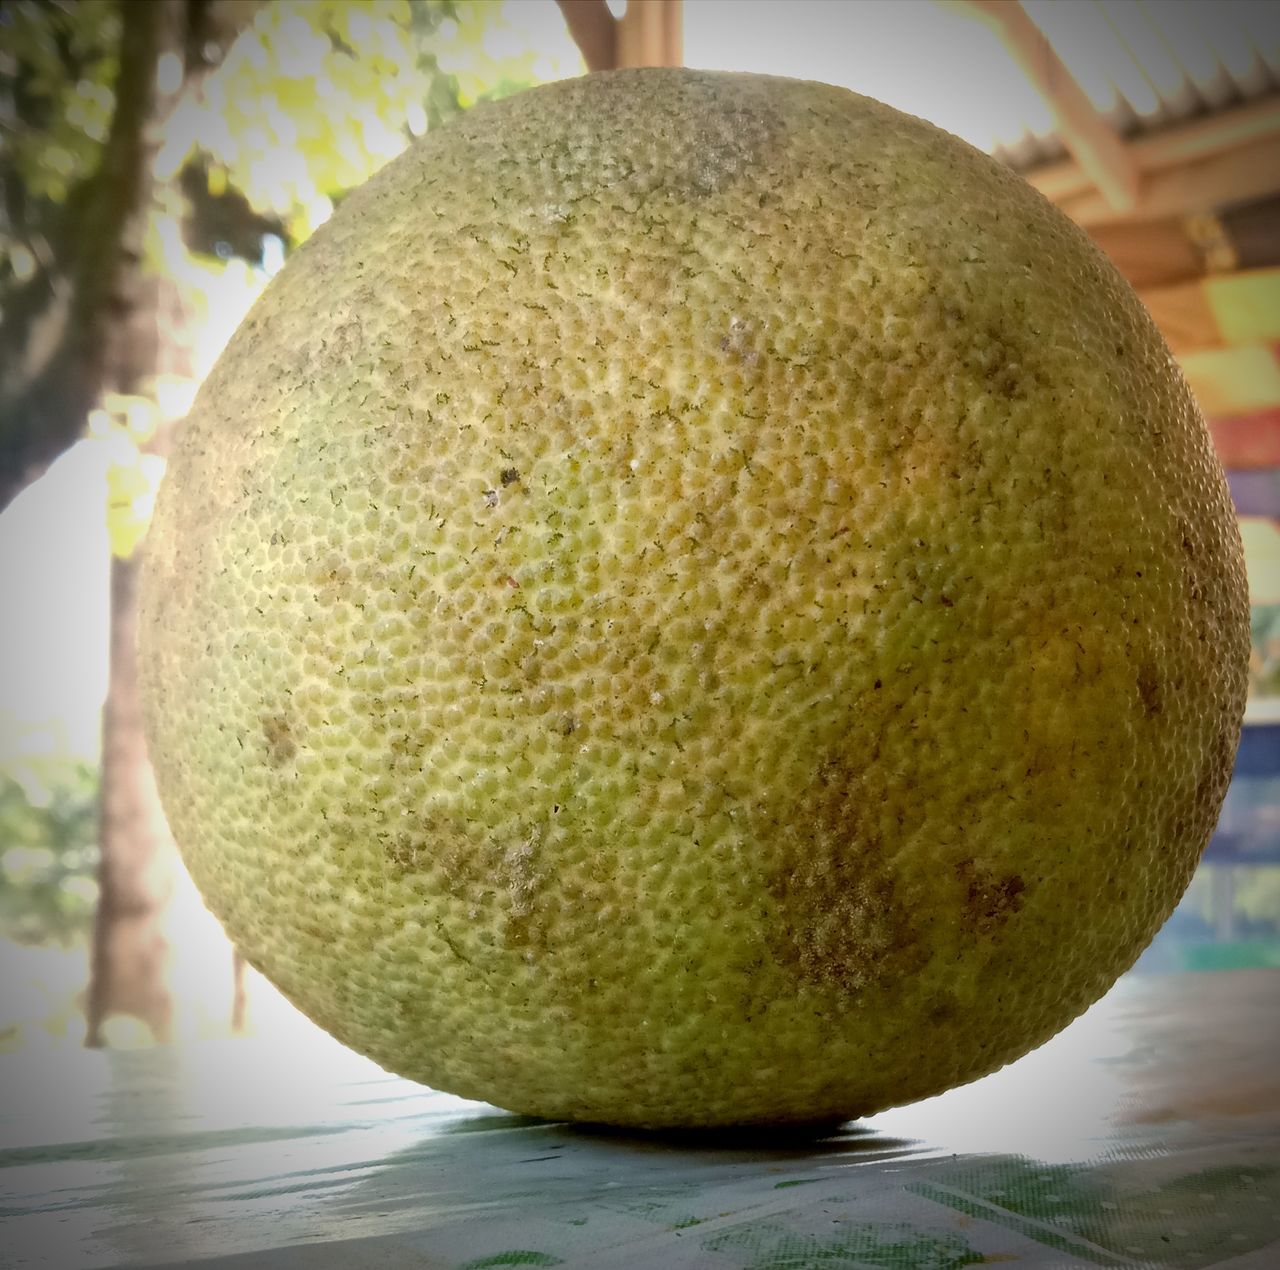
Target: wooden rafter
1222	132
1153	253
1237	174
1096	147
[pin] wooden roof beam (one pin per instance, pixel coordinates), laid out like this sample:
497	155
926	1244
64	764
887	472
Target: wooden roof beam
1240	127
1247	171
1101	154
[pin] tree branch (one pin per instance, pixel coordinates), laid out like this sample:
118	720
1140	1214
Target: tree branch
51	379
594	30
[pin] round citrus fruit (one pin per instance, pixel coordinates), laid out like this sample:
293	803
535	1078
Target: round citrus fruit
694	599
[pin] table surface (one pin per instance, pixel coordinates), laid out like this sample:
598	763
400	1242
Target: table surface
1146	1134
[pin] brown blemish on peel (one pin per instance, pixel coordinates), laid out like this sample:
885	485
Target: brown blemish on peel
1149	691
840	922
1191	816
281	746
332	582
1214	777
506	883
990	900
842	928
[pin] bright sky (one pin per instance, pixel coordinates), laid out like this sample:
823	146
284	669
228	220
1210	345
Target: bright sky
53	580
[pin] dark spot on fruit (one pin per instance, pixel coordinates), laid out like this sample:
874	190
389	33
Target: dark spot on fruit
1193	815
944	1009
1211	786
840	923
425	842
402	854
315	932
725	144
281	746
332	582
1149	691
510	476
990	900
842	927
503	880
1005	363
739	343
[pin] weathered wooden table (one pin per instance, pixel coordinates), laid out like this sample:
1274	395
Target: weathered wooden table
1147	1134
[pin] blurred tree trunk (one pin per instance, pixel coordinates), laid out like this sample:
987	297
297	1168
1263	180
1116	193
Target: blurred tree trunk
128	972
649	33
135	876
91	320
130	956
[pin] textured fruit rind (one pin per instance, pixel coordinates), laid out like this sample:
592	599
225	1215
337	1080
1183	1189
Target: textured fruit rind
694	599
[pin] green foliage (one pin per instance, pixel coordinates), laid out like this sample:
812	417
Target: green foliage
62	61
314	97
56	101
48	857
486	50
311	100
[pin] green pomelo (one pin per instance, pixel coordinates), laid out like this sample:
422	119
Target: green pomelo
694	599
